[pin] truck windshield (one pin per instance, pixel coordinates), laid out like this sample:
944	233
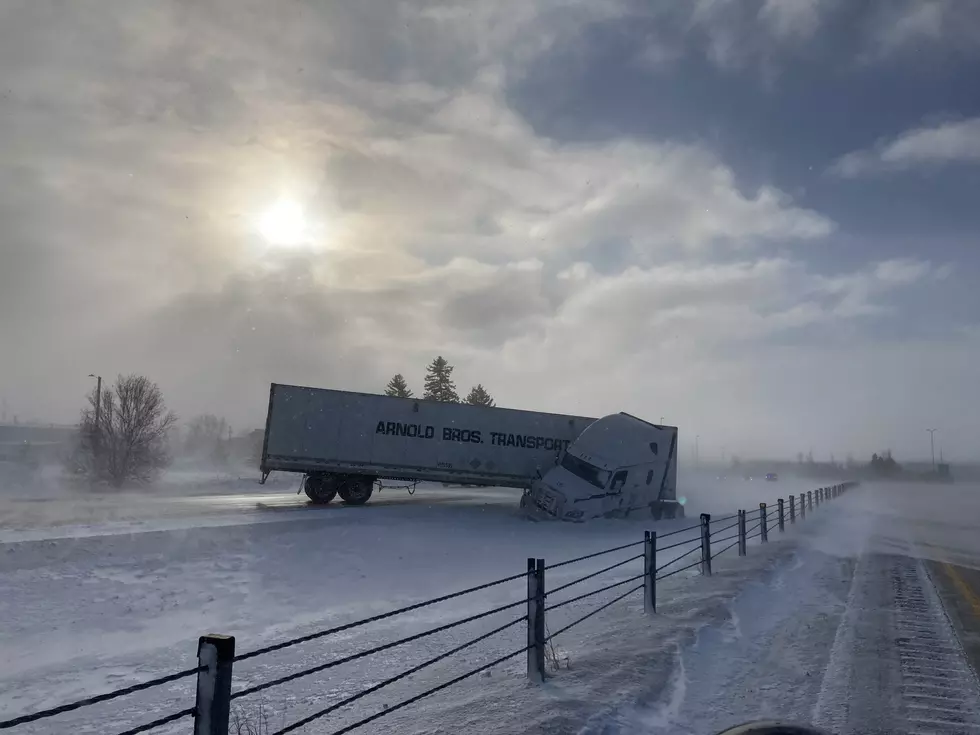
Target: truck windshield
590	473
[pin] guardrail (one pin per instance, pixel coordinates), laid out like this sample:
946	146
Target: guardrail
216	653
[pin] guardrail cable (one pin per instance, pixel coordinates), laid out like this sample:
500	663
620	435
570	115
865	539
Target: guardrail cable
592	593
679	530
189	712
678	571
60	709
594	612
404	674
674	545
371	651
592	556
678	558
376	618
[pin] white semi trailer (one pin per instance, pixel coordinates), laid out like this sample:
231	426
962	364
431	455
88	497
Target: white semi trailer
345	442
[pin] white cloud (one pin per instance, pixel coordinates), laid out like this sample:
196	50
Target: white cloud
139	146
793	18
950	142
911	26
762	34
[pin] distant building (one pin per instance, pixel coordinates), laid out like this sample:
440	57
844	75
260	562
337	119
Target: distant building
34	442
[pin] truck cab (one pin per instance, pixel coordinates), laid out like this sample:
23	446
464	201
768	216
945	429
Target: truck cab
620	465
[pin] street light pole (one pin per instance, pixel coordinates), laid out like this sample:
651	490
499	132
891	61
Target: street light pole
932	445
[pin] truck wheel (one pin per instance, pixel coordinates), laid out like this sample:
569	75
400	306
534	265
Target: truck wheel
321	490
357	490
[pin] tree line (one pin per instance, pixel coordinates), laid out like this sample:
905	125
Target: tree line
128	434
438	385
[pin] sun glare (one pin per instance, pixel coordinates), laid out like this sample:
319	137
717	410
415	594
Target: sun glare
284	224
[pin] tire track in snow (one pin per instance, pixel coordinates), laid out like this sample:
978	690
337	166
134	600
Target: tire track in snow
896	665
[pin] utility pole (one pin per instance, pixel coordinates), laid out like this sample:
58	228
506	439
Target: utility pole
98	413
932	444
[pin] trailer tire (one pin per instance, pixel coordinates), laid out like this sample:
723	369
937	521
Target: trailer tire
321	490
356	490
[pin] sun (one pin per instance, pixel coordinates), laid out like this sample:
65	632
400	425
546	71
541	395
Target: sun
284	224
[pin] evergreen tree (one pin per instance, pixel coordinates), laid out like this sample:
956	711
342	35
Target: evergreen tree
439	385
479	397
398	388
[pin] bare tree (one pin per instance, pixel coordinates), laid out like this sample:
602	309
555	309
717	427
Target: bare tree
208	436
130	440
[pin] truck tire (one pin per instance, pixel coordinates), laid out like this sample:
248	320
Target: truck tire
321	490
356	490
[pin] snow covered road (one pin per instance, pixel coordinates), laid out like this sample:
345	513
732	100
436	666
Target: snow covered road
848	634
805	627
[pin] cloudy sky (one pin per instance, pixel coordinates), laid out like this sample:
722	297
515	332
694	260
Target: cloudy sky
755	218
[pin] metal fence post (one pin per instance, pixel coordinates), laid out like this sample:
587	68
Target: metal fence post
809	498
706	544
764	525
802	506
792	509
782	518
535	620
216	653
741	533
650	572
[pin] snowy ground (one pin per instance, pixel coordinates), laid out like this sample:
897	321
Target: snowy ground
91	604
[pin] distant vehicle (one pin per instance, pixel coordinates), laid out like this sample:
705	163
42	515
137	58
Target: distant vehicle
571	467
771	477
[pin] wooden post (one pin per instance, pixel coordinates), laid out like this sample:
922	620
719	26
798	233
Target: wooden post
650	572
213	706
764	526
535	620
782	518
802	506
792	509
741	533
706	544
809	497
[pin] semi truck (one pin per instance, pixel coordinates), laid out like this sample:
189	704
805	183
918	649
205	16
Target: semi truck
570	467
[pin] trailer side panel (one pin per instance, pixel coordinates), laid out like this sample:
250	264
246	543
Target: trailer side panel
311	429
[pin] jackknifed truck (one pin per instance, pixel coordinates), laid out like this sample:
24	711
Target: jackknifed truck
571	468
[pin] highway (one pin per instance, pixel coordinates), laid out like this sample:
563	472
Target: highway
959	588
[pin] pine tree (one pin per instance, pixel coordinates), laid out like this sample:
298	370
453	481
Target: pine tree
398	388
479	397
439	385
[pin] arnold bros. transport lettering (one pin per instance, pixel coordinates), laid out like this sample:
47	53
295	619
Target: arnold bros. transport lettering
472	436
